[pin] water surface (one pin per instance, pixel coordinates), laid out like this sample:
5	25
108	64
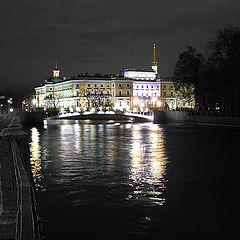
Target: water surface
137	181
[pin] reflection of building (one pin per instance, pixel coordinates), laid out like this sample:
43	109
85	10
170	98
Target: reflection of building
139	90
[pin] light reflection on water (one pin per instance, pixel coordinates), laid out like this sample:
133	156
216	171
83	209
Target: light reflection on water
75	154
35	157
148	164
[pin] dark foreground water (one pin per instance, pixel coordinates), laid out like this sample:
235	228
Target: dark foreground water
137	181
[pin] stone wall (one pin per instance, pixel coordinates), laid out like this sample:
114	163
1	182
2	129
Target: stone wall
178	116
18	215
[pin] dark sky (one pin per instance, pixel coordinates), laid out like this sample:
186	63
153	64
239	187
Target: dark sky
102	36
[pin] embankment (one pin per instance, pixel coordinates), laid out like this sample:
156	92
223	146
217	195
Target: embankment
178	116
18	211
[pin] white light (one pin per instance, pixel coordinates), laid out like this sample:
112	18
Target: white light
140	75
135	101
34	101
159	103
154	99
11	109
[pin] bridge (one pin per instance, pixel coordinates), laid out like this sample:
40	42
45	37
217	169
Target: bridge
109	115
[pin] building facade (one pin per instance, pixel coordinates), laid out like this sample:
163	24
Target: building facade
132	90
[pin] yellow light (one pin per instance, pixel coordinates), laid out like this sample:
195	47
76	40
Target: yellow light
154	99
34	101
159	103
135	101
141	105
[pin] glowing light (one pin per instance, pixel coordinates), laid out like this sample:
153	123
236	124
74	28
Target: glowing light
159	103
35	157
154	99
148	166
34	101
135	101
148	75
141	105
11	109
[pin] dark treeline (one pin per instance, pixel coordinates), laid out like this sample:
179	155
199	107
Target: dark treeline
214	75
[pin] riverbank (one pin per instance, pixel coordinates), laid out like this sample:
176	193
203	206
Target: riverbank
178	116
18	218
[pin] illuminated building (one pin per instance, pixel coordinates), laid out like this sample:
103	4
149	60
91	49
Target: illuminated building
137	90
84	93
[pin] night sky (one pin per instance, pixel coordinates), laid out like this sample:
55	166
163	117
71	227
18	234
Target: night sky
102	36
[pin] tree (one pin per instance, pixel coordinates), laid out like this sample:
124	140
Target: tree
189	74
223	57
215	77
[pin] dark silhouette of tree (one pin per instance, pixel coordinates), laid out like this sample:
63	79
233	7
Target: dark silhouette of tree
215	77
223	57
188	74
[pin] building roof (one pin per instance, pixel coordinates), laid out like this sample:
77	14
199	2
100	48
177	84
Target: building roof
55	79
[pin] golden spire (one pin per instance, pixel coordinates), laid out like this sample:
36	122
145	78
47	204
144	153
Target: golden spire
154	63
154	55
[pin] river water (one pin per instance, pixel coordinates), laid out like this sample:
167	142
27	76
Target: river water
111	180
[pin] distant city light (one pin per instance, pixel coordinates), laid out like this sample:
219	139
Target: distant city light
11	109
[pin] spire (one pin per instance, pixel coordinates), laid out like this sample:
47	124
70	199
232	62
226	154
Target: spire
154	63
56	63
56	71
